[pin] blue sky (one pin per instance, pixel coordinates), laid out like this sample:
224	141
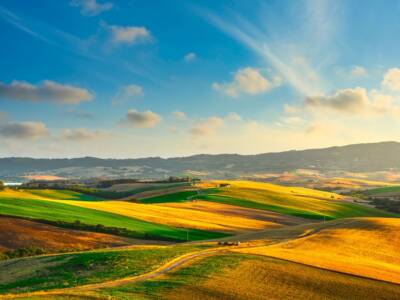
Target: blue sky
115	78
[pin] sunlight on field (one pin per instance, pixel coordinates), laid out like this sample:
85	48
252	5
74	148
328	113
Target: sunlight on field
16	233
364	246
44	194
184	215
297	191
295	201
256	278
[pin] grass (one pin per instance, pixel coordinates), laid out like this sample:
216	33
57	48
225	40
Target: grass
383	190
173	197
69	214
233	276
68	270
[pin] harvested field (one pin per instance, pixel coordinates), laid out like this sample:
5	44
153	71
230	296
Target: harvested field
18	233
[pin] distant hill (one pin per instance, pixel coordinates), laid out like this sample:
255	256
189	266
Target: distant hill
372	157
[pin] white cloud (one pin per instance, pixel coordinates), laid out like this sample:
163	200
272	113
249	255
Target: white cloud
180	115
207	127
47	91
82	134
346	101
191	56
247	80
391	79
128	92
24	130
129	34
355	101
233	117
146	119
358	71
92	7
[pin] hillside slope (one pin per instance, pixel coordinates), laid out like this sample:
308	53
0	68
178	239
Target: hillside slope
355	158
18	233
366	247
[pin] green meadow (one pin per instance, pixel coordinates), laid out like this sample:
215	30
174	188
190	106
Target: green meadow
64	214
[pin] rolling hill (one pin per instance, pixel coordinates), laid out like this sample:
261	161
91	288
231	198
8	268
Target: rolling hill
22	234
365	247
371	157
30	206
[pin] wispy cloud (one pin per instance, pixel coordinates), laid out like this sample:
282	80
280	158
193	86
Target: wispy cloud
83	135
254	39
207	127
128	92
48	34
92	7
190	57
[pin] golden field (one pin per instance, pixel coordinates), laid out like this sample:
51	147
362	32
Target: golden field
185	215
257	278
283	190
366	247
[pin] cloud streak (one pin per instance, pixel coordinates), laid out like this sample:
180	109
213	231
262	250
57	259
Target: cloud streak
82	135
251	37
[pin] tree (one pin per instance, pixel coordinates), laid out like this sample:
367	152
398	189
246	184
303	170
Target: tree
1	185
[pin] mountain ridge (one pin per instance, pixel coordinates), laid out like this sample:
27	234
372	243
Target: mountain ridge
366	157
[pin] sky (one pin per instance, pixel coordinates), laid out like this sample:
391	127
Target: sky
127	79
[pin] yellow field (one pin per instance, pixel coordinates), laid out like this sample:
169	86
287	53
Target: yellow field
275	279
283	190
182	215
363	246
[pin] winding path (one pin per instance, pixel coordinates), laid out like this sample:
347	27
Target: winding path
158	272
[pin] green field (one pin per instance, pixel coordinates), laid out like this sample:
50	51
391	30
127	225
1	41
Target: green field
67	270
332	210
173	197
64	195
383	190
293	204
53	211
